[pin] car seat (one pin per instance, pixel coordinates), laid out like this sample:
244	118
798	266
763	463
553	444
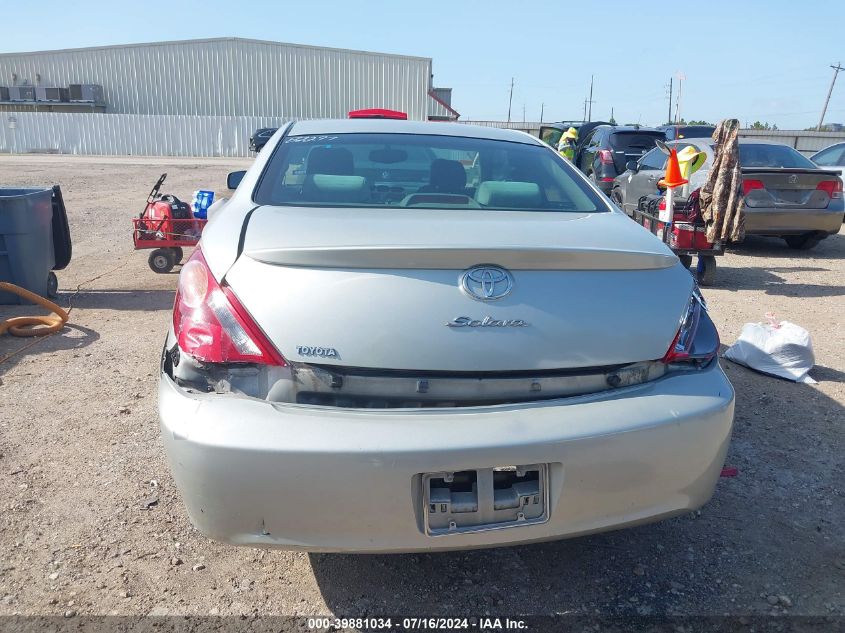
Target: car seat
329	177
334	161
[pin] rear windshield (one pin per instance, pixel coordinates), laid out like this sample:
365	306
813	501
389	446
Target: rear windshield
638	141
695	131
764	155
421	171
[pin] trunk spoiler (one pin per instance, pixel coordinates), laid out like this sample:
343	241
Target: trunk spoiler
439	257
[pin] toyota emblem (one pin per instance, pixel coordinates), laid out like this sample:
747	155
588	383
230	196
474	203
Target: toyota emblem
486	283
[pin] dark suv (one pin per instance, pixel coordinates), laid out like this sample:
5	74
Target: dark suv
603	154
677	132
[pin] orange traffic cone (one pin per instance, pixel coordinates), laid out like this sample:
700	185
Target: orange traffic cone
673	176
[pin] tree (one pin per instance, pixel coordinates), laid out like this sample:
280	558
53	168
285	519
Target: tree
762	126
685	122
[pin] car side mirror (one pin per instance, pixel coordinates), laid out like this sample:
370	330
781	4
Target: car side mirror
633	166
234	179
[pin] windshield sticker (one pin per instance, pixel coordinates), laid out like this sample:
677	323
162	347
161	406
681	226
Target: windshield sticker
309	139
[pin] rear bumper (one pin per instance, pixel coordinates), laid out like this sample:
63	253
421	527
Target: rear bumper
325	479
605	185
794	221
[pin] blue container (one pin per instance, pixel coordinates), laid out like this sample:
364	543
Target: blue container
26	240
202	200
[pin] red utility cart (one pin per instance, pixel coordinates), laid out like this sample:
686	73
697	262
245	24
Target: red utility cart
685	235
166	225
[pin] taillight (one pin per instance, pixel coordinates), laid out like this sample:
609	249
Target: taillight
697	340
833	188
750	184
210	323
605	157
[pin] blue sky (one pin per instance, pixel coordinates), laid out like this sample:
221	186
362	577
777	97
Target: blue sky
766	61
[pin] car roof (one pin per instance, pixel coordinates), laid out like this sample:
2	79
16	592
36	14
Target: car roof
633	128
565	125
839	144
698	140
684	126
395	126
706	140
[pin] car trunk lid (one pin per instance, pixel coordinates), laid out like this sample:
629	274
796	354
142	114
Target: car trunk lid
781	187
383	290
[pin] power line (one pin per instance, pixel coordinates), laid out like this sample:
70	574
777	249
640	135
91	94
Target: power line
836	70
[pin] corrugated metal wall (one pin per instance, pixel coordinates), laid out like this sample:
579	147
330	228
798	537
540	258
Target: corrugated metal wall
233	77
128	134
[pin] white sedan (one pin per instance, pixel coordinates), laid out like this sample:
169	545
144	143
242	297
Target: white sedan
402	336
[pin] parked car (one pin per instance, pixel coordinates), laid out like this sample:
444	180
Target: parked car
786	194
260	137
551	132
832	157
370	356
676	132
605	151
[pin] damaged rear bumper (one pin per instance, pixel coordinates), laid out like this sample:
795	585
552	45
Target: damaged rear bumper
315	478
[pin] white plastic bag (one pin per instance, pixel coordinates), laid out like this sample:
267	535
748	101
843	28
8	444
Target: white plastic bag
778	348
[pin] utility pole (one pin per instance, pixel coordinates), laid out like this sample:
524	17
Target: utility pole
510	101
836	70
523	114
612	120
584	119
590	111
681	78
542	108
669	120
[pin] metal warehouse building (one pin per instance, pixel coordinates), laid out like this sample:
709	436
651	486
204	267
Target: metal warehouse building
197	97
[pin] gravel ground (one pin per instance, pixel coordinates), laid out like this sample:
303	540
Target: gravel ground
91	522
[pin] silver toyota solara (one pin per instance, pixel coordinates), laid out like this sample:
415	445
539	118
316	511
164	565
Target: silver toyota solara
401	336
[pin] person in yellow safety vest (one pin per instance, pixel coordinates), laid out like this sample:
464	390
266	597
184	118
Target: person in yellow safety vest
567	143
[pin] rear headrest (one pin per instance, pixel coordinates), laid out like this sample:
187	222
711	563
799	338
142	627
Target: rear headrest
330	188
509	193
335	161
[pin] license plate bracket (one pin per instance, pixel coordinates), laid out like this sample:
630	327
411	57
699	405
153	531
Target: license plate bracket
485	499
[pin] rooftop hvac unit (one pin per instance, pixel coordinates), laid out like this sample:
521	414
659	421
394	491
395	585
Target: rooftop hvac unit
21	93
4	93
51	94
86	93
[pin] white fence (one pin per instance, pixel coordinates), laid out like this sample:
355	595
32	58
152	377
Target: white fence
128	134
191	135
804	141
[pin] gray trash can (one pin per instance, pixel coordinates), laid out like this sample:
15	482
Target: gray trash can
27	255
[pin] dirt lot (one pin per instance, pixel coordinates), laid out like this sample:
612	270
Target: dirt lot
80	457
